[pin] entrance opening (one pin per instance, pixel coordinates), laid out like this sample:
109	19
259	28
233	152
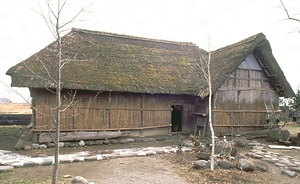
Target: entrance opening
176	118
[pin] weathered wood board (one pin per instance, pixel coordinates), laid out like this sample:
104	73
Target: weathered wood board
77	136
283	147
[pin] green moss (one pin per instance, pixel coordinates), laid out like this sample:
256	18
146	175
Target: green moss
102	61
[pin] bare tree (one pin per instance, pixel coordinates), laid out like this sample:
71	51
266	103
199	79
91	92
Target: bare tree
204	64
295	101
289	16
57	27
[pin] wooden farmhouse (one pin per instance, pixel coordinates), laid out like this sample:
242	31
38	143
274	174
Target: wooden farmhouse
116	82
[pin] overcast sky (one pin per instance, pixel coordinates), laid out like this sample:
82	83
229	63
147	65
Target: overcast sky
24	32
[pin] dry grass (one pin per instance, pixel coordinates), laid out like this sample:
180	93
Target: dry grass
9	136
293	128
15	108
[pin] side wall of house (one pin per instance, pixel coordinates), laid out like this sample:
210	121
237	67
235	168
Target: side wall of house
97	111
239	104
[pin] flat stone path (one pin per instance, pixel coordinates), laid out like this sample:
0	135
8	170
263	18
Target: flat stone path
284	147
288	165
10	160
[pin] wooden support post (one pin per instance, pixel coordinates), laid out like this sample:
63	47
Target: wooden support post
142	107
108	110
73	118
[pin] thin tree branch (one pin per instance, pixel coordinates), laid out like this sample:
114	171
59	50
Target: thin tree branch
70	103
287	12
33	73
46	69
36	110
71	20
26	100
48	21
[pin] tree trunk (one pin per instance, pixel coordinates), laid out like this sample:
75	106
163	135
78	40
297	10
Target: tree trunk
57	108
212	159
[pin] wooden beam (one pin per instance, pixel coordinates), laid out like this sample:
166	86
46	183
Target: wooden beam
266	67
245	111
251	79
131	109
95	130
77	136
245	89
241	126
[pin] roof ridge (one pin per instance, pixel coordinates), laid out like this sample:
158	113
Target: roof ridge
133	37
242	42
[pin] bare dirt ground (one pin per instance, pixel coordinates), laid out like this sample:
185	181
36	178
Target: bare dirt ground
172	168
159	169
146	170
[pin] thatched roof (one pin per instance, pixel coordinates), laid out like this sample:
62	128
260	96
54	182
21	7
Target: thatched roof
101	61
227	59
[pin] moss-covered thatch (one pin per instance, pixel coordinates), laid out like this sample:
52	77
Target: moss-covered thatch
227	59
110	62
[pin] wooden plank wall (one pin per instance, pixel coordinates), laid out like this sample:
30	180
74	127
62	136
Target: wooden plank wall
156	110
124	111
239	102
189	107
104	111
88	112
44	106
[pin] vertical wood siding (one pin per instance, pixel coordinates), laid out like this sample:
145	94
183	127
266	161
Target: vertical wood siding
44	108
156	110
240	101
105	111
189	107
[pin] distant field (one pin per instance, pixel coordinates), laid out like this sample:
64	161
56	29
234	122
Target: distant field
15	108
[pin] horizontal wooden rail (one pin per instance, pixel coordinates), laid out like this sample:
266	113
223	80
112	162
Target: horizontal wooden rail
245	89
240	125
131	109
245	111
249	79
94	130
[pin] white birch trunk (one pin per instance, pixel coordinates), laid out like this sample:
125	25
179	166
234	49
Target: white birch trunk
204	65
57	107
212	157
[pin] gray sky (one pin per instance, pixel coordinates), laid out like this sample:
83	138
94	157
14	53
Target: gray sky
24	32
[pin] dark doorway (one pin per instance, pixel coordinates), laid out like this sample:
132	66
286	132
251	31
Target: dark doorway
176	118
